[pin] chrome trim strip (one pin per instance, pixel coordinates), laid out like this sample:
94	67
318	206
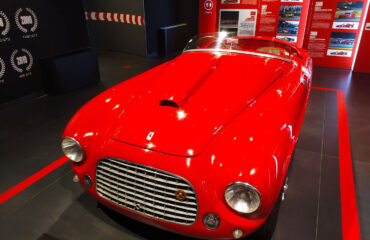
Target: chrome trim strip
306	72
238	51
302	80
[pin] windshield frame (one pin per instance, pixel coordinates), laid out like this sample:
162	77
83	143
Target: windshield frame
219	37
238	51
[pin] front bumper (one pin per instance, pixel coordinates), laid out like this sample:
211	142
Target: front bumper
209	190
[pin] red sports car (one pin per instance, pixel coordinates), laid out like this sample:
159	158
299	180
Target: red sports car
199	145
347	15
339	53
348	25
347	42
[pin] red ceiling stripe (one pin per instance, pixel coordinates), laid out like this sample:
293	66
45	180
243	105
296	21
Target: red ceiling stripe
105	17
88	15
116	17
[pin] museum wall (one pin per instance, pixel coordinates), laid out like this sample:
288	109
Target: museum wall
110	34
33	30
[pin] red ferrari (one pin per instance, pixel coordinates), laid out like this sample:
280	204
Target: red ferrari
199	145
347	15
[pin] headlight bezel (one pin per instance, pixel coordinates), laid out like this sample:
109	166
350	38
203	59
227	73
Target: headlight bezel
80	151
247	186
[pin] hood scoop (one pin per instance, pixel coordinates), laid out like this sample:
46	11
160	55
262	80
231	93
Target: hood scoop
169	103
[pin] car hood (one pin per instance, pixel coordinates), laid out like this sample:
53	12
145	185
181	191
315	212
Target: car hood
204	91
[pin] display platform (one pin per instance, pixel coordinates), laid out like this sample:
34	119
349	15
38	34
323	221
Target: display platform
311	210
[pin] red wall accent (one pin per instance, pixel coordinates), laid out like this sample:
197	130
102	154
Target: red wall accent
207	16
362	63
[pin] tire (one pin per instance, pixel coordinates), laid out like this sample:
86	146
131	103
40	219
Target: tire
267	229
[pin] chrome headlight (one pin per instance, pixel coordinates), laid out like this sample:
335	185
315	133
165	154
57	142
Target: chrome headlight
72	149
242	197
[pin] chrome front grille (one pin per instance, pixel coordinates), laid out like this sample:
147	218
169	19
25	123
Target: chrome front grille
146	190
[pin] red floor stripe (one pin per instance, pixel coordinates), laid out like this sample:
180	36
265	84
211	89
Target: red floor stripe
31	180
327	89
350	223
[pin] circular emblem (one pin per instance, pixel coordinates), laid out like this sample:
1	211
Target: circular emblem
26	20
137	206
2	68
4	24
208	5
21	60
180	195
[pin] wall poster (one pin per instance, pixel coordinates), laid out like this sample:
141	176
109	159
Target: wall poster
241	22
347	15
283	19
333	31
288	25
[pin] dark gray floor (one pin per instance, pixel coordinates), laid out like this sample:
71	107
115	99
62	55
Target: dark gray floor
56	208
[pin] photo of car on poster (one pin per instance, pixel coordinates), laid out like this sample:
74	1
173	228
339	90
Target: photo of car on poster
239	21
230	1
342	40
229	19
287	38
288	27
346	25
349	11
339	53
290	12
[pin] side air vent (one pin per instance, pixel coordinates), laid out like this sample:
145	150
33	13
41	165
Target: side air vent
168	103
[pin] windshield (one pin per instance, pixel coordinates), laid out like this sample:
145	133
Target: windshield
224	42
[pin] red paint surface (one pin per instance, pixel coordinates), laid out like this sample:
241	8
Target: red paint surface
234	118
350	224
32	179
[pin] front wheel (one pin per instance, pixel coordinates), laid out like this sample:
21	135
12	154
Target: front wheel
267	229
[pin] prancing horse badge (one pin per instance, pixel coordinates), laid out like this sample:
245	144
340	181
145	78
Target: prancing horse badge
150	136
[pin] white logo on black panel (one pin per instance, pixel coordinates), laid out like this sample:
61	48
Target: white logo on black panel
26	20
21	60
2	69
4	24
